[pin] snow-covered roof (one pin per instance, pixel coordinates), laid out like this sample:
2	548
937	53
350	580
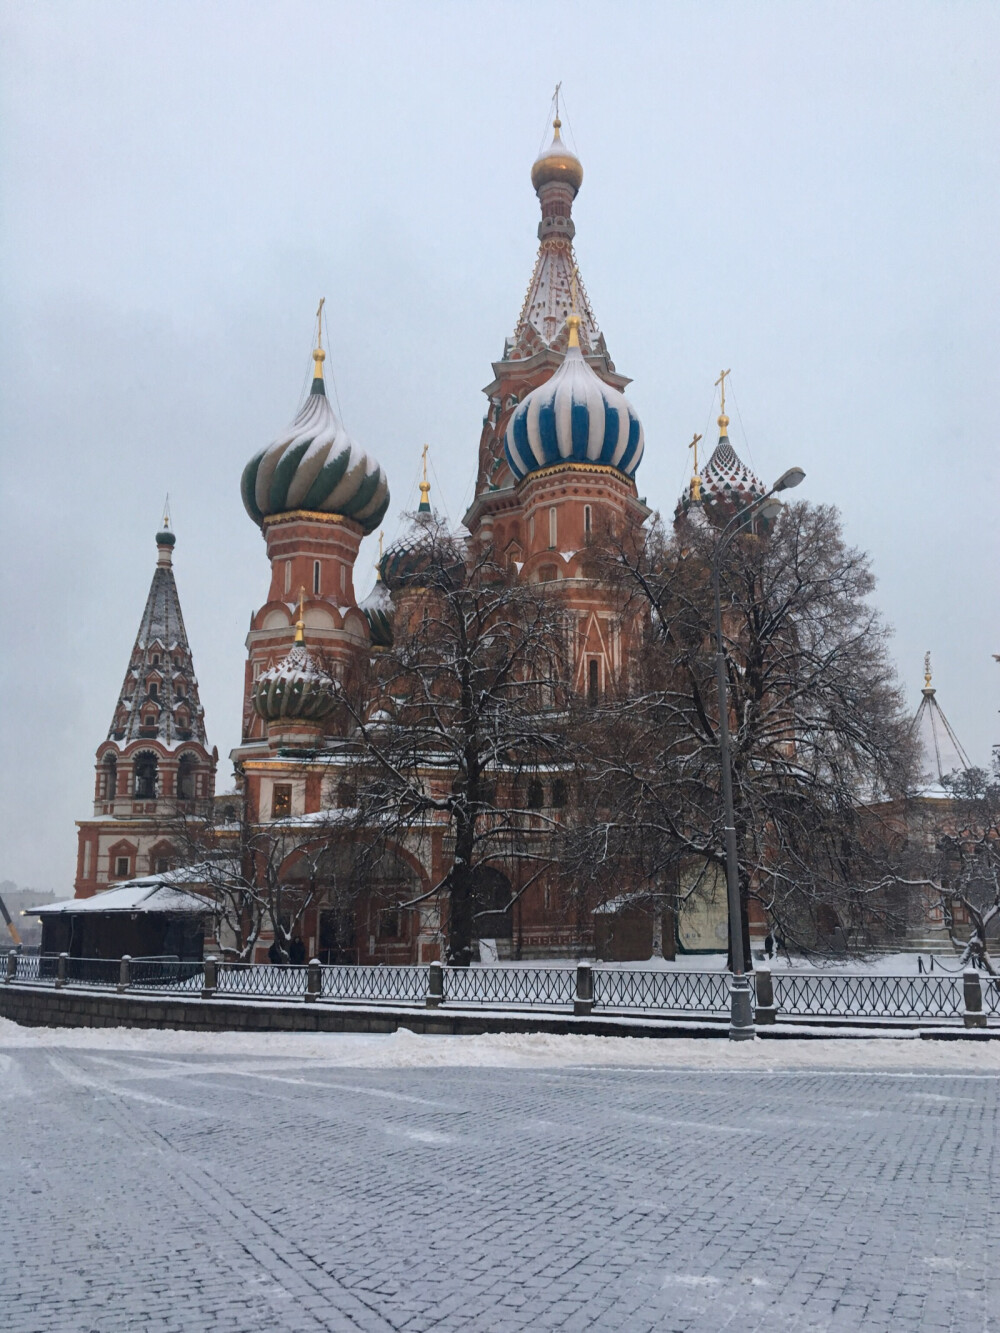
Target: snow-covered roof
152	894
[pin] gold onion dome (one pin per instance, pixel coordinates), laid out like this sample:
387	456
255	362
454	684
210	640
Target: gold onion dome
557	163
296	688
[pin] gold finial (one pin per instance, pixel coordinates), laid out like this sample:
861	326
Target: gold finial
695	475
573	322
927	670
300	624
378	565
425	486
319	356
557	123
721	386
166	511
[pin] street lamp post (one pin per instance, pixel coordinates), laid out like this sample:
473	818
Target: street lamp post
741	1009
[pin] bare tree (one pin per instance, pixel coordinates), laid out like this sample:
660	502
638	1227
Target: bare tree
968	863
259	876
458	714
816	718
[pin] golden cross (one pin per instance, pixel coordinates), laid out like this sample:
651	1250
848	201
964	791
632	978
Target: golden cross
319	321
424	457
721	382
556	96
380	537
694	445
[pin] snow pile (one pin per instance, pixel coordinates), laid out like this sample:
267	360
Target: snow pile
904	1053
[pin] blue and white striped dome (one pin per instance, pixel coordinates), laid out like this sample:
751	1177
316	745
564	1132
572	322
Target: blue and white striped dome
574	417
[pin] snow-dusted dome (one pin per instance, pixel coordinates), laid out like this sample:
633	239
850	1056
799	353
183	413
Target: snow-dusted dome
295	688
378	611
315	465
726	484
574	417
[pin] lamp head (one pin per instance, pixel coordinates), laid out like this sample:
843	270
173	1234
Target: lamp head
788	479
769	510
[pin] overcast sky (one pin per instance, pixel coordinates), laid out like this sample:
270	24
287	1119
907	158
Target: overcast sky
806	193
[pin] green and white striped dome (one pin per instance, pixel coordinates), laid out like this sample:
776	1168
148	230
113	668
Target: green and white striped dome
315	465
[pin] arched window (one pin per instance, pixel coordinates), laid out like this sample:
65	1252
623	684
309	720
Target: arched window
109	777
553	528
593	681
559	793
144	775
186	778
288	576
316	570
587	520
536	795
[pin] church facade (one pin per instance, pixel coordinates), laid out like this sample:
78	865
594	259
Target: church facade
557	462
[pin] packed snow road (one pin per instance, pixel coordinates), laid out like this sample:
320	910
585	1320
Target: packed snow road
175	1181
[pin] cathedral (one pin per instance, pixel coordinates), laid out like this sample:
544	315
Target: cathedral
558	456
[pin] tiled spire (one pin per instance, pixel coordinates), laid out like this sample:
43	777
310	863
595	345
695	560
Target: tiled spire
159	698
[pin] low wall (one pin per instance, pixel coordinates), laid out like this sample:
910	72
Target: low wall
45	1006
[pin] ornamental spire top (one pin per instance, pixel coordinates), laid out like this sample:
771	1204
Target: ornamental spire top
424	507
319	356
720	384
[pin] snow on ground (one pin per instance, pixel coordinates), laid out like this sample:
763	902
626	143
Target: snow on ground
882	965
404	1049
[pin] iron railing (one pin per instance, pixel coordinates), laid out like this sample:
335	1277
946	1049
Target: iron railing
857	995
541	986
804	995
360	982
677	992
161	974
262	979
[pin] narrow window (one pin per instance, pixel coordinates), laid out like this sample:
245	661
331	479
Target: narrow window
536	795
121	867
586	520
343	578
552	528
162	865
281	800
288	576
558	795
316	577
154	691
593	681
531	528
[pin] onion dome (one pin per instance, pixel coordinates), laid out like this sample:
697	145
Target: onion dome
725	484
378	611
574	417
296	688
425	548
557	163
314	465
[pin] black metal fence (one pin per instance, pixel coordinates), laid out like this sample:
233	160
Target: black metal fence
967	997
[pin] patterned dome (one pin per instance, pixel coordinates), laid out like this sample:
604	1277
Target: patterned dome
315	465
727	485
574	417
378	611
295	688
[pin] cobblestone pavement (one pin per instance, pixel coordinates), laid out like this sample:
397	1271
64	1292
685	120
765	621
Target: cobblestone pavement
150	1193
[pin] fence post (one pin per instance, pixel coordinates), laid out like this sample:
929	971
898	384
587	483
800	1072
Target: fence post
210	982
61	969
435	985
765	1011
583	1003
125	973
11	971
973	1016
314	981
